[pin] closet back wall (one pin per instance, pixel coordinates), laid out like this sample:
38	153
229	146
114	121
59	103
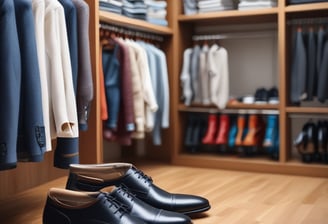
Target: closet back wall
252	54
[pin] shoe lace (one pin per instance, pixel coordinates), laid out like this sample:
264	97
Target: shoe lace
142	175
126	192
120	208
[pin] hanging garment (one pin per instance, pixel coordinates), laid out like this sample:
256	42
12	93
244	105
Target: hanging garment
218	71
71	28
38	7
298	68
31	135
162	95
148	100
203	78
323	76
320	44
84	73
102	92
126	116
311	65
111	68
194	70
63	112
185	77
138	99
10	81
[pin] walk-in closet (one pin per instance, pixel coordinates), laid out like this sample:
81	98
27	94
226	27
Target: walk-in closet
224	101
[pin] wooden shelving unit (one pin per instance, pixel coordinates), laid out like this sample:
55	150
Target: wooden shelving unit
177	37
135	24
287	164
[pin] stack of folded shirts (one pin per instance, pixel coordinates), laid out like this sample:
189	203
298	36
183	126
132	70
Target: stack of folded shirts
190	7
256	4
156	12
214	5
135	9
114	6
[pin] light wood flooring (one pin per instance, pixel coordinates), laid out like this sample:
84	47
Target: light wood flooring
235	197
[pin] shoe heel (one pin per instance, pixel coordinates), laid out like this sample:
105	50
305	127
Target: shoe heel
71	183
53	216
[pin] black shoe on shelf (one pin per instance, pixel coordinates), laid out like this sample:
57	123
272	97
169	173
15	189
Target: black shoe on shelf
306	142
323	141
93	177
261	96
71	207
273	96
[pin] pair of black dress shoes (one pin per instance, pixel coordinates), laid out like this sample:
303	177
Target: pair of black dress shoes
132	199
312	142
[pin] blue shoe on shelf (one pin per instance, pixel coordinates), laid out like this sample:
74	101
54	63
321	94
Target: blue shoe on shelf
271	137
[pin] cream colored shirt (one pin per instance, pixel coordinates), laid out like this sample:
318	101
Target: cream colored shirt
62	107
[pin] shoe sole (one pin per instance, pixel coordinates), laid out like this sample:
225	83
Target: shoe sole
197	210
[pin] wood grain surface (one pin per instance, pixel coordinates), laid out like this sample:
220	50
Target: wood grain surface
235	197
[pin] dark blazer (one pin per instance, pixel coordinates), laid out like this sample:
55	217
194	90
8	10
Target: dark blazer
31	136
323	76
298	69
71	27
10	80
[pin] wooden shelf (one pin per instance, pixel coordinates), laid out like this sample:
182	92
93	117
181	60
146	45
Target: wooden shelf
141	25
250	164
307	7
263	108
229	13
310	110
261	15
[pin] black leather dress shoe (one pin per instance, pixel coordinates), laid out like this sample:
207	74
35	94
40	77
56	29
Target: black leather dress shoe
97	176
306	142
146	212
71	207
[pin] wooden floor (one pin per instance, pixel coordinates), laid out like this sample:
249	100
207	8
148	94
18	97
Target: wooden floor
235	197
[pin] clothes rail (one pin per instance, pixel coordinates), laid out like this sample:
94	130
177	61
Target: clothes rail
234	35
308	21
130	32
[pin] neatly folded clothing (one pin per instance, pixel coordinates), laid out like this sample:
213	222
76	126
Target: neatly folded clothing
210	2
134	5
157	14
156	4
116	11
256	4
161	22
106	6
215	4
190	7
215	9
134	15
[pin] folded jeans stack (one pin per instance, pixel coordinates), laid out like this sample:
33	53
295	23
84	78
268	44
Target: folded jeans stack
135	9
256	4
114	6
156	12
205	6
